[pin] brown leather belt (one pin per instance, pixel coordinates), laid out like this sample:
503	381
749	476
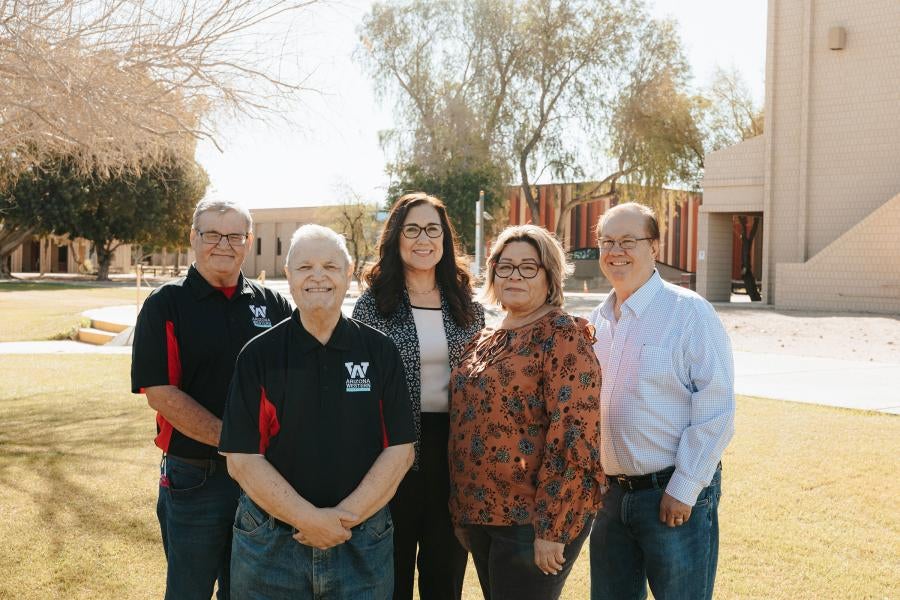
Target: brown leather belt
634	483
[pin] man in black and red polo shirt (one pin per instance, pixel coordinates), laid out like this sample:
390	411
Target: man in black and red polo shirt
188	335
319	432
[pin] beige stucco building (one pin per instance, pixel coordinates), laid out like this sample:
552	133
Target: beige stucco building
58	254
825	175
272	230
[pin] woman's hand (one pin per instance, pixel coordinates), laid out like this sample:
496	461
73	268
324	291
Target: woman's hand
548	556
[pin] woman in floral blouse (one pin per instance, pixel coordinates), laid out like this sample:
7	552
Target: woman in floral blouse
525	427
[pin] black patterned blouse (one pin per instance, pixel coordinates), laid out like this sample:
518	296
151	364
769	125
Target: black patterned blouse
401	328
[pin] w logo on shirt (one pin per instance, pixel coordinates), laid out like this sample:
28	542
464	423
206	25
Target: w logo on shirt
259	316
357	371
357	380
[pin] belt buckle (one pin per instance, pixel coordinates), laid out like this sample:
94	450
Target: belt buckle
624	482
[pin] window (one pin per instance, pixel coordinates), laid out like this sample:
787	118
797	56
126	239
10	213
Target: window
258	246
278	246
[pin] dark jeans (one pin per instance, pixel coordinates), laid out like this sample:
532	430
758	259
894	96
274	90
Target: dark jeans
267	563
630	547
504	559
422	521
196	512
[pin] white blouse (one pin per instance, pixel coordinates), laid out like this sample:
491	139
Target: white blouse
435	359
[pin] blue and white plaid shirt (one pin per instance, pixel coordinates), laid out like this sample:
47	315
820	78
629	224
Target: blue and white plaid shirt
668	386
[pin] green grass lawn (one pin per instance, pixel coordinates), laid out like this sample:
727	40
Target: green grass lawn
809	505
47	310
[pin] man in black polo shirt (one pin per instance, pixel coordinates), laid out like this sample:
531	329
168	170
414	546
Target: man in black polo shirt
188	335
318	431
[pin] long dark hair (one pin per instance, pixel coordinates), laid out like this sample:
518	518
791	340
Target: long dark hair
386	278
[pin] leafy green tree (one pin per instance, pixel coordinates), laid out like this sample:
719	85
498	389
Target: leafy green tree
152	206
458	188
729	113
572	90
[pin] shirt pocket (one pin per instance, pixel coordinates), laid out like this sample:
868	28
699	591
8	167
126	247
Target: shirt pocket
656	373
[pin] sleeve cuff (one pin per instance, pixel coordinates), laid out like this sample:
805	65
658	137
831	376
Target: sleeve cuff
683	488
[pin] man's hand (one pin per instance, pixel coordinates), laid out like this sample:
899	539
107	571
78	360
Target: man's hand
324	528
548	556
672	512
463	536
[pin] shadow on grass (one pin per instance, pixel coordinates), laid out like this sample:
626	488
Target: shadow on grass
79	463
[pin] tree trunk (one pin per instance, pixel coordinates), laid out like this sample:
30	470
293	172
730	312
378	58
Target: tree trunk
746	264
104	258
565	209
529	193
10	239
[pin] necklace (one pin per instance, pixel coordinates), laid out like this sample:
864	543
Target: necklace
422	293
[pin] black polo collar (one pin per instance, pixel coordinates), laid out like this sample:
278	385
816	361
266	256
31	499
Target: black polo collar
201	288
341	337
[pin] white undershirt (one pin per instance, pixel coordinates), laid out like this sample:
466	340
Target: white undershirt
434	359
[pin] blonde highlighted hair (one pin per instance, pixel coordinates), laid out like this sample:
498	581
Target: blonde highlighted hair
550	253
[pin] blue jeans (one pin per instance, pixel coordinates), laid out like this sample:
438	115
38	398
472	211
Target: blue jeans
267	563
504	558
630	547
196	510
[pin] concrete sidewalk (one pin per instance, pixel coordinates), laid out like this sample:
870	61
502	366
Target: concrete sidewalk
831	382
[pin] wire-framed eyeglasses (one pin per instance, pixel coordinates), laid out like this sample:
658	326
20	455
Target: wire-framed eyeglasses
607	244
432	230
526	270
214	237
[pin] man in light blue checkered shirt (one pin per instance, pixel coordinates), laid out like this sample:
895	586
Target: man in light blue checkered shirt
667	413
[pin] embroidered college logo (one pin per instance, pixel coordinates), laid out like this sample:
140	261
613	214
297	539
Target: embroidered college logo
357	381
259	316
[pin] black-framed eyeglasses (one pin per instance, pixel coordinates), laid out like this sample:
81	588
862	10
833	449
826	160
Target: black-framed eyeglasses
526	270
214	237
432	230
607	244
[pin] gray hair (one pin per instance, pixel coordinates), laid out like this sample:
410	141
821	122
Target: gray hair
311	231
221	207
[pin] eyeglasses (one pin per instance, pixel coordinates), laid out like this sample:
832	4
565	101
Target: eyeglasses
432	230
607	244
214	237
526	270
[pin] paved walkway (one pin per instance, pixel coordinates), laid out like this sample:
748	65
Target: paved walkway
831	382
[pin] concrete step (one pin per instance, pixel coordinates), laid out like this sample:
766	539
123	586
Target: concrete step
108	326
98	337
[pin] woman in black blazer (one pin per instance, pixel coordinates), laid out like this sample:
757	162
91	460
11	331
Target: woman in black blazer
419	294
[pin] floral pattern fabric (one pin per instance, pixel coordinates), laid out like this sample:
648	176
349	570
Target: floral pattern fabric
525	428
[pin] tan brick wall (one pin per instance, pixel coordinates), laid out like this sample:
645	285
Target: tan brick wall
858	272
832	125
854	116
784	67
714	244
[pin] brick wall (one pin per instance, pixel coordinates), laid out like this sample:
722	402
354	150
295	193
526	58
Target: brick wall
858	272
832	125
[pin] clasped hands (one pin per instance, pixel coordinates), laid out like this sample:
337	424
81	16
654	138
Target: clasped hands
325	528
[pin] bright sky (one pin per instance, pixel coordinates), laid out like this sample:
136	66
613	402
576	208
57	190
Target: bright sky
329	143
